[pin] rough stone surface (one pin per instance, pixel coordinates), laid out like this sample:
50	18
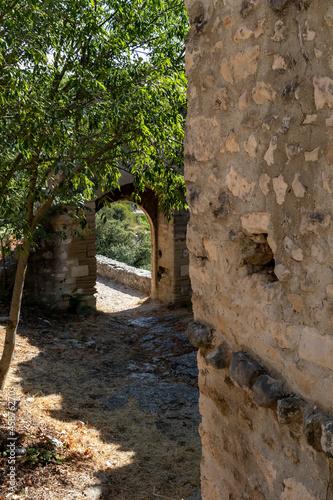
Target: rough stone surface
220	357
290	409
327	436
139	279
267	391
312	426
264	286
244	370
199	335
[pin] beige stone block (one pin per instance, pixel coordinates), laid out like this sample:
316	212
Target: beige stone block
250	146
263	92
309	35
272	244
280	188
291	248
211	249
312	155
280	32
243	65
296	301
304	381
229	143
293	490
239	185
269	155
243	33
329	291
298	188
309	119
279	63
316	348
323	91
264	181
242	102
326	183
78	271
280	336
257	222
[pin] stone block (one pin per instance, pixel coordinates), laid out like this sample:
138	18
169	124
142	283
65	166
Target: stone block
267	390
327	436
316	348
220	357
199	335
244	370
184	270
312	428
290	409
78	271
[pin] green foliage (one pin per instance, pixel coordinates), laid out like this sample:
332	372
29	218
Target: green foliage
123	236
87	86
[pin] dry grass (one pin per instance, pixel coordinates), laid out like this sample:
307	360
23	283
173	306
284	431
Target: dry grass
63	390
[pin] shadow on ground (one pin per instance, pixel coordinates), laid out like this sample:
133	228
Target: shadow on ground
132	376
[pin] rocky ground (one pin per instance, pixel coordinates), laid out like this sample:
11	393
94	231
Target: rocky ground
107	405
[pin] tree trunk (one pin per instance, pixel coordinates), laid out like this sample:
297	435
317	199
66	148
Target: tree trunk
14	313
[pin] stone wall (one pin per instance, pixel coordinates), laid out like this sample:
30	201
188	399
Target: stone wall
138	279
64	266
259	159
173	283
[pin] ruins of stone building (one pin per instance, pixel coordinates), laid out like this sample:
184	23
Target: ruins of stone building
62	267
259	175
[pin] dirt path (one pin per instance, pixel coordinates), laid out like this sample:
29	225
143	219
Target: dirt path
118	390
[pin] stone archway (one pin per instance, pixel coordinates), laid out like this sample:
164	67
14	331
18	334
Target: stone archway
62	268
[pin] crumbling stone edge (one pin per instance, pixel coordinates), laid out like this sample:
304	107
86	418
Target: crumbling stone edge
139	279
268	391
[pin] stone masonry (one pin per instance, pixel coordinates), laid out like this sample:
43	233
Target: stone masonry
65	267
259	172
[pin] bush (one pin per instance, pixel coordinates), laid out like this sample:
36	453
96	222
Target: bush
123	235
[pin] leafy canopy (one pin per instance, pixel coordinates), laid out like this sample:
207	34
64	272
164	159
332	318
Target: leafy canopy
87	86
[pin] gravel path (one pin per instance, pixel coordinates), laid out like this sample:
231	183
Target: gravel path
119	388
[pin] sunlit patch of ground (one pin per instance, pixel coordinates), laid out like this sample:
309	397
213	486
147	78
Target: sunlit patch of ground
67	375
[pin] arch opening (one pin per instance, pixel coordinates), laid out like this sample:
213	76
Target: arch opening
123	233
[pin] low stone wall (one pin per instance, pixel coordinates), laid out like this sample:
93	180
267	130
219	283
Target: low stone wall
139	279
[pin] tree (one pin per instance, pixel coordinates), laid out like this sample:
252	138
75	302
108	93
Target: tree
86	86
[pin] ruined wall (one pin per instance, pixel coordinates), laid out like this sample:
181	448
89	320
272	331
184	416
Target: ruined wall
138	279
259	160
67	266
63	266
173	283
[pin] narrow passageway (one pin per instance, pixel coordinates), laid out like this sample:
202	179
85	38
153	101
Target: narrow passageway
119	389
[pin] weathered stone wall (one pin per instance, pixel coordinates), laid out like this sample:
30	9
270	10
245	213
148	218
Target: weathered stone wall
67	266
173	283
63	266
138	279
259	159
